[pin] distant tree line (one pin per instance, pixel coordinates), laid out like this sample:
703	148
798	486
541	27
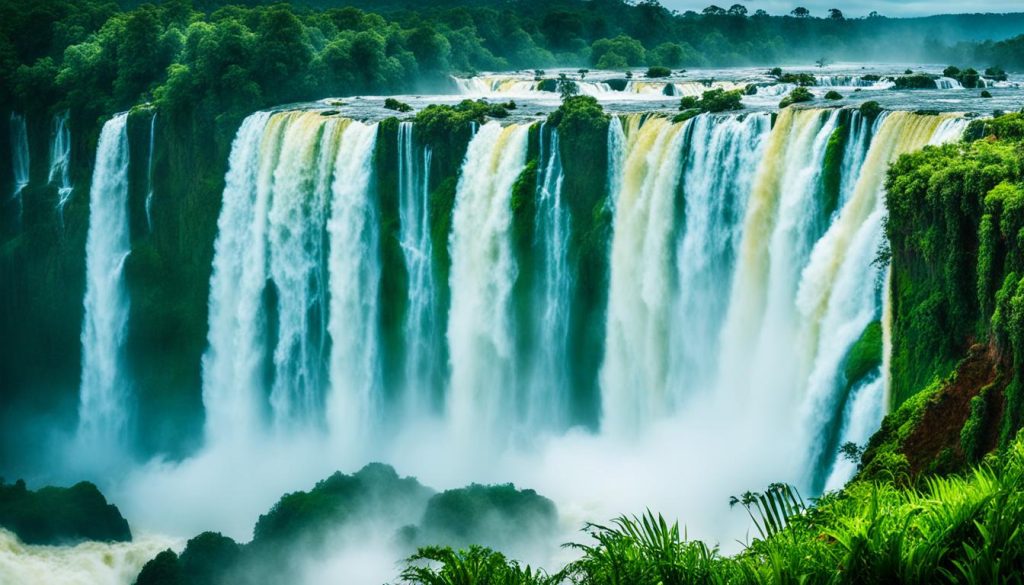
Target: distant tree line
103	57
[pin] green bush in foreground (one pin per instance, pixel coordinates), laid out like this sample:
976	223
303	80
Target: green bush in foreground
960	529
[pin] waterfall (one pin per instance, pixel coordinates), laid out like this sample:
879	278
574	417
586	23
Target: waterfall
723	155
149	173
947	83
293	290
60	163
841	292
422	355
547	382
19	158
633	373
234	361
483	272
354	282
616	155
741	274
105	395
726	205
778	233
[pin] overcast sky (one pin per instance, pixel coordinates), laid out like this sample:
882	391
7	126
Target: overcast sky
860	7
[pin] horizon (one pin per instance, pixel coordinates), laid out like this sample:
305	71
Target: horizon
860	8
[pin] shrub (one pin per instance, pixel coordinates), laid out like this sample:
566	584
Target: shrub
870	110
714	100
995	73
393	104
833	95
657	71
798	95
918	81
985	93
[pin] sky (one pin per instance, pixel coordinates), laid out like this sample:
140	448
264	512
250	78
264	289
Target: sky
860	7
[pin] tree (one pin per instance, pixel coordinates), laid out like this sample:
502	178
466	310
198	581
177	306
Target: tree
760	13
567	88
835	14
738	10
713	11
800	12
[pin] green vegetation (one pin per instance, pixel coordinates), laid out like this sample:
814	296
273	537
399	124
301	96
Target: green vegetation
798	95
833	95
914	81
54	515
336	501
882	528
865	356
870	110
658	71
393	104
714	101
960	529
496	516
473	566
583	142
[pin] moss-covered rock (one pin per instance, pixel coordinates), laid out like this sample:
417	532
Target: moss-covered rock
54	515
496	516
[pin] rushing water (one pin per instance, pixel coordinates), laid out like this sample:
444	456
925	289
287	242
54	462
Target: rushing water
19	158
105	397
737	276
423	366
481	333
741	272
60	163
149	172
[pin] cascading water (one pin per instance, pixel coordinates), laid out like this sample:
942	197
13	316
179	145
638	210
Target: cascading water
547	382
740	274
947	83
841	293
292	295
149	172
19	158
633	376
481	334
422	332
354	403
105	394
803	283
616	155
720	165
60	163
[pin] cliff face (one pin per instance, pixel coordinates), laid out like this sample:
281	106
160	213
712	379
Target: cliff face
955	219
